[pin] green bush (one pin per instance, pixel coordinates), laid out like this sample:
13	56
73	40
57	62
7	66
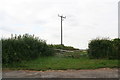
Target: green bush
116	48
103	48
26	47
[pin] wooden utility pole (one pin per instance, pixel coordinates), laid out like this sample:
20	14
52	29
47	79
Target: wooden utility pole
62	18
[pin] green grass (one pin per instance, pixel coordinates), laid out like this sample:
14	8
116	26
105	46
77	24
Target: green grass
61	63
70	60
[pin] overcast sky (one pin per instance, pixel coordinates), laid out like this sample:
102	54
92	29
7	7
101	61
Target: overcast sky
86	20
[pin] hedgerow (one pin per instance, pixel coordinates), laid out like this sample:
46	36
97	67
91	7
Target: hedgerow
26	47
104	48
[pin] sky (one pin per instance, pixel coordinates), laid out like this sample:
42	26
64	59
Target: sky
85	20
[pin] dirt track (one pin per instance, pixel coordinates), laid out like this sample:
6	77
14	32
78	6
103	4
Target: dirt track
98	73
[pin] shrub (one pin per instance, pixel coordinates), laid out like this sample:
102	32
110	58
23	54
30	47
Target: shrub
103	48
26	47
116	48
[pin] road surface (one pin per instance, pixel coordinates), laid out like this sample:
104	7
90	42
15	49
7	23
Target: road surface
97	73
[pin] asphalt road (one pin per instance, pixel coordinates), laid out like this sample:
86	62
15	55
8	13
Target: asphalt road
97	73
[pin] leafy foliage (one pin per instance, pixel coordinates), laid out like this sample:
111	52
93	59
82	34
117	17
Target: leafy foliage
26	47
104	48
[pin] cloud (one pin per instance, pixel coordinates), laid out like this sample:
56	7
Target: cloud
86	19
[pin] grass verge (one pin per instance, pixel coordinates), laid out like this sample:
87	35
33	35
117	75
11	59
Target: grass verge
63	63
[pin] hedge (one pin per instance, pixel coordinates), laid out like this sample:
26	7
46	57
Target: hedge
104	48
26	47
